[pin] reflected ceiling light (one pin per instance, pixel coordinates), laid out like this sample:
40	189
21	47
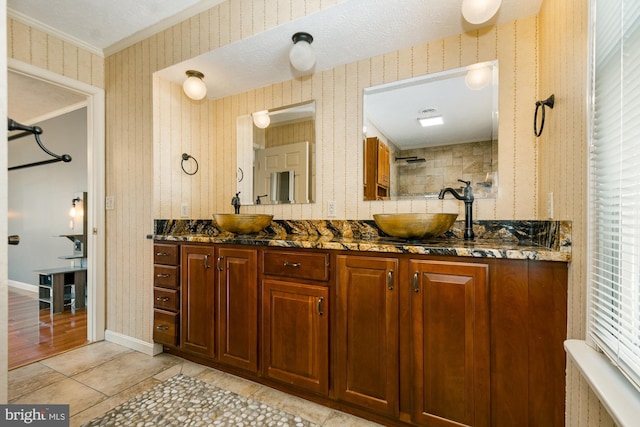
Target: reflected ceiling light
479	11
301	55
261	119
431	121
478	77
194	86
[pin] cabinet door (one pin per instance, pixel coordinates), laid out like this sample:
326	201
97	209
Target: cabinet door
384	165
295	322
198	300
238	307
450	334
367	332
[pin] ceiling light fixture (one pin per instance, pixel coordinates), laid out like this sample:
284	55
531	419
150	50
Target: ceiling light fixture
301	55
479	11
261	119
431	121
194	87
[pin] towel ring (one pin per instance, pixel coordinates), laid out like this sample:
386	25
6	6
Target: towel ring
186	157
549	103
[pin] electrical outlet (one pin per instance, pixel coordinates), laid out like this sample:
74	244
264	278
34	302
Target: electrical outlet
550	205
184	210
109	203
331	209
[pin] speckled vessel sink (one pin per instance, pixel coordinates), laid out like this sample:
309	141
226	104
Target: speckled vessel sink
243	223
415	225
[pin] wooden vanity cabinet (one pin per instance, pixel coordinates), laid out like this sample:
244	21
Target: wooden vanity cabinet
166	295
366	335
197	329
237	274
450	372
295	318
400	338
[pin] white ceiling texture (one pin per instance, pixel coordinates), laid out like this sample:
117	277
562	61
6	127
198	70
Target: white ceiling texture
350	31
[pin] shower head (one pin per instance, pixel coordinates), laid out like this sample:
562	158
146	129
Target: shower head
411	159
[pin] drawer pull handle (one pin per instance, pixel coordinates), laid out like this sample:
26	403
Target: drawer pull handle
219	263
163	299
320	312
162	275
162	327
390	280
162	254
416	288
292	264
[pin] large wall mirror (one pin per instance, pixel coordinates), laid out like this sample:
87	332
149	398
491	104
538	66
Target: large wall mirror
276	155
425	133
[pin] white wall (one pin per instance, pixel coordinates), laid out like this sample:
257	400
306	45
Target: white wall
40	197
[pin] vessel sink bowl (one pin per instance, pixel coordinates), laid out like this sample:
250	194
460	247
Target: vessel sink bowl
415	225
243	223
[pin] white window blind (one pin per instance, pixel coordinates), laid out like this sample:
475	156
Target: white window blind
614	312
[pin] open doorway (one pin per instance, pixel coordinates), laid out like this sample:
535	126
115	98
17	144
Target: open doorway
68	250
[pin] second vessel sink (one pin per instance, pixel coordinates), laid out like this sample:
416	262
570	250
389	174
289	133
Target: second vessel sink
415	225
243	223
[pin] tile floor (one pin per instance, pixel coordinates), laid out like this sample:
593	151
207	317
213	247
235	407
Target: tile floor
98	377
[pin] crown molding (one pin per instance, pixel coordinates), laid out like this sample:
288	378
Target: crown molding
33	23
166	23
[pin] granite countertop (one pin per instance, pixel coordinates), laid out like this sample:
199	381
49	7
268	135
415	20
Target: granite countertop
541	246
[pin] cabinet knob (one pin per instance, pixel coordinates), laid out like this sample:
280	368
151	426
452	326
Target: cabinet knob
162	327
416	288
162	275
390	280
164	299
162	254
320	312
206	261
219	263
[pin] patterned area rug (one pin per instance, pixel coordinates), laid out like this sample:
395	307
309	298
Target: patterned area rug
186	401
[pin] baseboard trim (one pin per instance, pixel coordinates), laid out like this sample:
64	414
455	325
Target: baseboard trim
24	286
147	348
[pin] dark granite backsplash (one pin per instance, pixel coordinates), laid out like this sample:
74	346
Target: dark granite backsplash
554	235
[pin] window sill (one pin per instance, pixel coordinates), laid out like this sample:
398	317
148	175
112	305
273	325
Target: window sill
615	392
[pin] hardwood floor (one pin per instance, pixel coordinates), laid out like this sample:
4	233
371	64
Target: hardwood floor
36	334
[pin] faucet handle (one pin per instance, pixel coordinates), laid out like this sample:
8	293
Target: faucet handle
465	182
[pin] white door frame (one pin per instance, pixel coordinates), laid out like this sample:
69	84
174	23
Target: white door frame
95	98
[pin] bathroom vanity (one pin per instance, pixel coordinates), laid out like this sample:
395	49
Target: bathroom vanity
439	333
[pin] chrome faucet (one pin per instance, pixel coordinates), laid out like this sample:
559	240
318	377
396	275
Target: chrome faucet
467	198
235	201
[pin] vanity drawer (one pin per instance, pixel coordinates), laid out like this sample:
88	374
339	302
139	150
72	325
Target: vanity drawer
166	299
312	266
166	254
165	327
166	276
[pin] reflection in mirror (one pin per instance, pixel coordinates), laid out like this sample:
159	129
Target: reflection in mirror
276	155
425	133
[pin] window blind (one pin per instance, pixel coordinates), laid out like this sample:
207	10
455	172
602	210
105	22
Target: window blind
614	312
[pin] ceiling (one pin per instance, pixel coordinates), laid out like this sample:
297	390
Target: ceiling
350	31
